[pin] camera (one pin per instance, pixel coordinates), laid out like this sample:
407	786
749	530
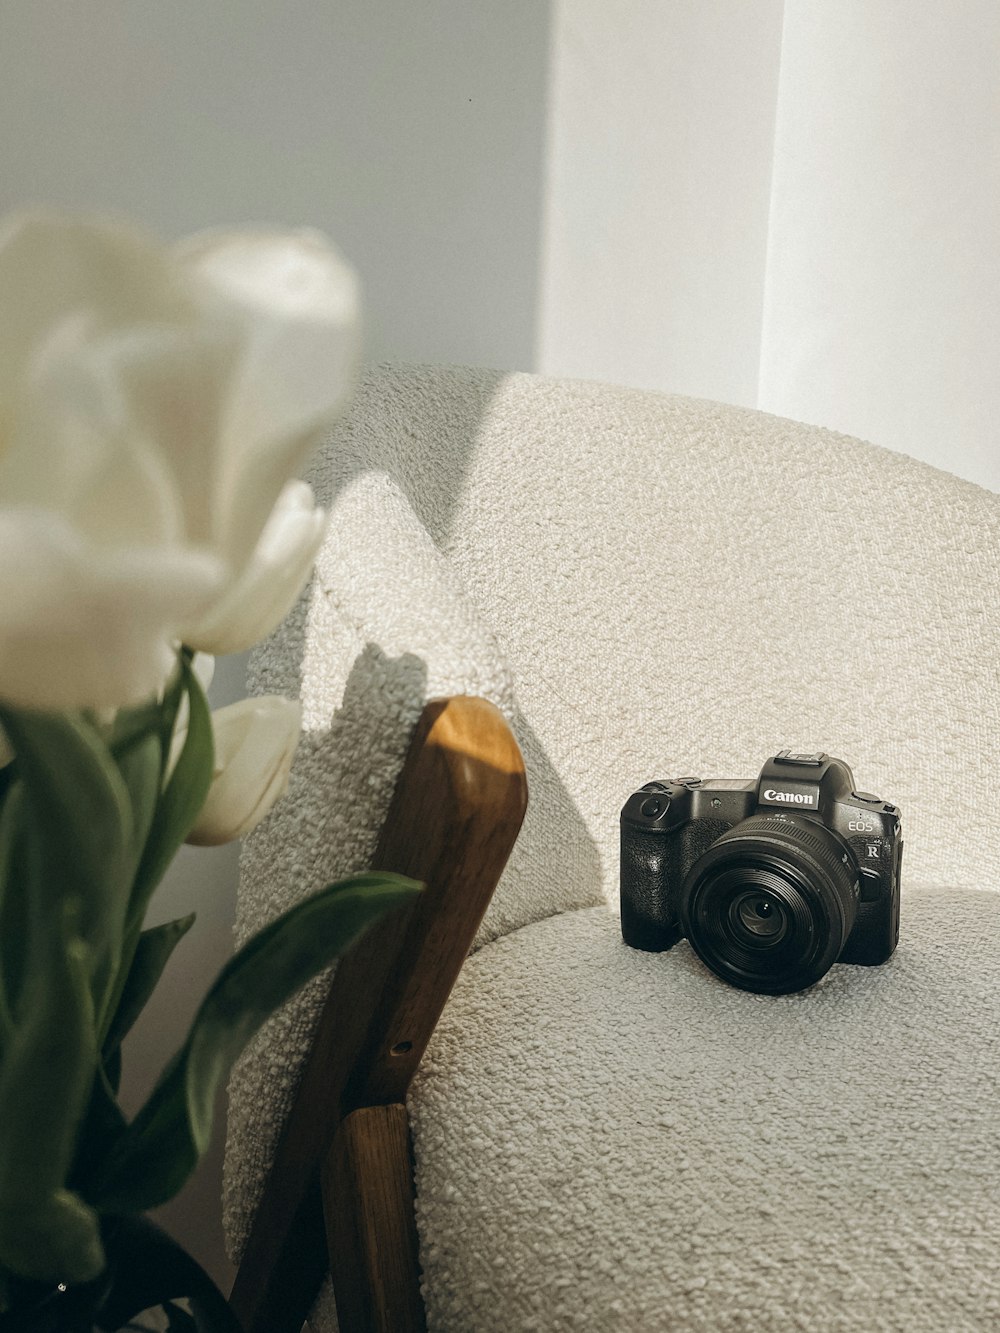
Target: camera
772	880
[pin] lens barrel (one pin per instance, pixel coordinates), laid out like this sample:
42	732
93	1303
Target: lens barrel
771	904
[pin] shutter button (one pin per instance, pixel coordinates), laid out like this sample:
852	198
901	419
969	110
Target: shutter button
654	806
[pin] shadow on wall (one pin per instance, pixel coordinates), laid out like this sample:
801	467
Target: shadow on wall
388	432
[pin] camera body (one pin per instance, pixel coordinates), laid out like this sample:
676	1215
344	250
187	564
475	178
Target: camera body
772	879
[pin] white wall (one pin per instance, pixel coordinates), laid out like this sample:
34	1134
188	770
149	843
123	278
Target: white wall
411	132
791	204
882	309
661	129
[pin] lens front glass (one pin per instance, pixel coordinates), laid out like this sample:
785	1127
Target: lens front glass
769	906
751	922
758	918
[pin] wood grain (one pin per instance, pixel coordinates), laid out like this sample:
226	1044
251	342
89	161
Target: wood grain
370	1223
453	819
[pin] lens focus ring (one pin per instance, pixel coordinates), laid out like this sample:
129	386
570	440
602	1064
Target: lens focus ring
825	847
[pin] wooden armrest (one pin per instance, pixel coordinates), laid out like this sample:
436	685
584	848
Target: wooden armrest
452	822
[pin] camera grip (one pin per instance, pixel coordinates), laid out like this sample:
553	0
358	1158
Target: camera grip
649	915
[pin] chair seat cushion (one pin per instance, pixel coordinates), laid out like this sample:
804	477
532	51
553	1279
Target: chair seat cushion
614	1140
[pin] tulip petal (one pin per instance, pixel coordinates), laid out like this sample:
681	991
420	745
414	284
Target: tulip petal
75	450
103	403
203	666
255	742
90	629
53	265
300	305
272	580
174	385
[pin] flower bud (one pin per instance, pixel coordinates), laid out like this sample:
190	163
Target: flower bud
255	743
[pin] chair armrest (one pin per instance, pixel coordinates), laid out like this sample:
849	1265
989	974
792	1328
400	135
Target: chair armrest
454	817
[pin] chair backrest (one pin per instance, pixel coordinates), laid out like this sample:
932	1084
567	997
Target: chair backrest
678	586
646	586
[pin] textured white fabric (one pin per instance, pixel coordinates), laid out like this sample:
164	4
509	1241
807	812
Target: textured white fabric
618	1142
645	585
677	585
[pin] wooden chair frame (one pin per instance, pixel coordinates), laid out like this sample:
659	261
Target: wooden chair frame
339	1193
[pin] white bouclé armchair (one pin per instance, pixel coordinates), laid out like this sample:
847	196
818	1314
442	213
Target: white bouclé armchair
641	585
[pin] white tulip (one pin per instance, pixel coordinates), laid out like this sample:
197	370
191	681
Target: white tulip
255	742
155	405
272	579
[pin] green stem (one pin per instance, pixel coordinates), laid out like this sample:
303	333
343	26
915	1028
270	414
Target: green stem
10	924
6	1019
142	885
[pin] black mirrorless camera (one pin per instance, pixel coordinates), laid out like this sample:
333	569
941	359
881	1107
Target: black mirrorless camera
772	880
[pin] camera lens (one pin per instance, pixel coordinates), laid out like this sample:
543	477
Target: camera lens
771	903
759	917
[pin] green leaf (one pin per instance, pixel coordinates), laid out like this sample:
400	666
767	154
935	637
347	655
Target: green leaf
139	767
170	1133
132	726
66	896
172	697
149	1271
181	802
80	823
141	771
46	1232
178	1320
137	746
102	1126
113	1069
152	952
7	775
56	1239
13	905
76	794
